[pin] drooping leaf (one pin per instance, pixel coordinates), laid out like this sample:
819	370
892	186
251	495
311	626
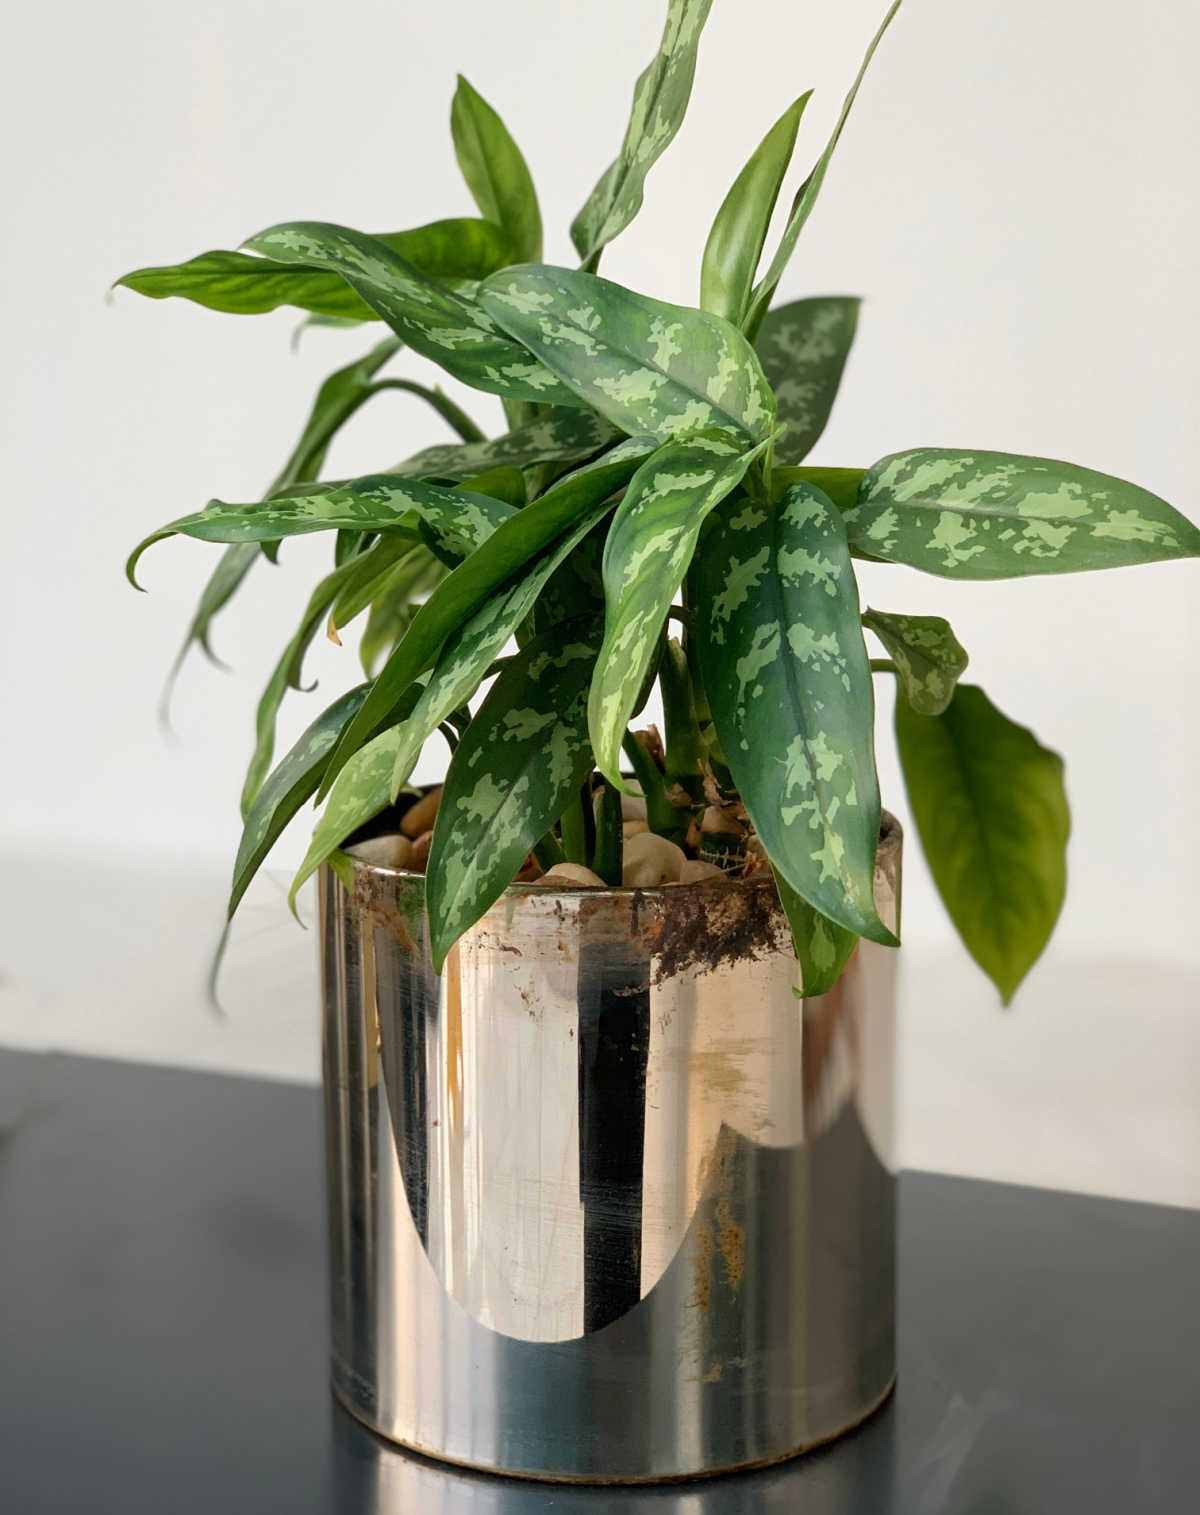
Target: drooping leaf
521	759
803	347
822	947
928	656
995	515
735	242
466	589
291	782
496	173
806	198
838	484
650	544
785	668
453	415
372	569
651	368
239	284
451	329
660	98
991	812
567	437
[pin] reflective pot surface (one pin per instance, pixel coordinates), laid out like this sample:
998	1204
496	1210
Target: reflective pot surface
607	1201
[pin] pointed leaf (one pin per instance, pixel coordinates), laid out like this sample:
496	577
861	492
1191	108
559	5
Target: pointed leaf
735	242
651	368
807	197
496	173
660	98
785	668
240	284
451	329
564	437
650	544
928	656
803	347
822	947
519	762
995	515
991	812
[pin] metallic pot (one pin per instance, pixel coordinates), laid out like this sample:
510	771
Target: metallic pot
607	1201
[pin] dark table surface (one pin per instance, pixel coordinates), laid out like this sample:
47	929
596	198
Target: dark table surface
162	1334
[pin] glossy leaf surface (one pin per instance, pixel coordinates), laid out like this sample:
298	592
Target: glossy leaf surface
660	98
496	173
822	947
995	515
566	436
991	812
651	368
522	758
928	656
789	683
803	347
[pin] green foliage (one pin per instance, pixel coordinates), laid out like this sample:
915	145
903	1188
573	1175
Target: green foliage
653	468
991	812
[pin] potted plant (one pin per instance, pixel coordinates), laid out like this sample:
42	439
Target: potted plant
607	1202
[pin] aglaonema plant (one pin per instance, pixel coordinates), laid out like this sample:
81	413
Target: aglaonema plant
651	481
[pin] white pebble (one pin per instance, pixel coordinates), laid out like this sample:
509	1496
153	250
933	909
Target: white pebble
651	860
695	869
574	875
383	851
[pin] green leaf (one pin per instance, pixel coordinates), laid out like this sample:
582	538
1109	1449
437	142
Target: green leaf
735	242
373	568
928	656
991	812
451	329
565	437
650	544
995	515
660	98
239	284
394	607
653	369
496	173
785	668
520	761
292	781
822	947
462	592
802	206
803	347
838	484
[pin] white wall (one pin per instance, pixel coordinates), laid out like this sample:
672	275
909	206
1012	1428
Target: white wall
1014	196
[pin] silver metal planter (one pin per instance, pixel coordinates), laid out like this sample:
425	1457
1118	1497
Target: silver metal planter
607	1202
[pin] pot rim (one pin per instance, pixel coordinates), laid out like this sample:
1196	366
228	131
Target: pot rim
891	835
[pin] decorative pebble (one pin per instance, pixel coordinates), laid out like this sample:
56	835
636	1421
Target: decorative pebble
633	828
633	807
651	860
573	874
419	855
694	870
392	851
419	817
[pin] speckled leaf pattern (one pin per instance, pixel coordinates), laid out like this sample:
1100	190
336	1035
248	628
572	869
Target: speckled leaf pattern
520	761
803	347
461	594
291	782
451	329
496	173
566	437
660	98
785	668
995	515
991	811
806	199
822	947
237	283
735	242
650	367
649	547
929	658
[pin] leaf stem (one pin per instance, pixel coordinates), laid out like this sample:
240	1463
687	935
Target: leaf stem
607	858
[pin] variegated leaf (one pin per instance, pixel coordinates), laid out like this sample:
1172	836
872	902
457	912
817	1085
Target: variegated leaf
458	250
651	368
822	947
785	668
929	658
464	591
448	328
496	173
519	762
802	206
991	811
735	242
566	436
650	544
995	515
660	98
803	347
